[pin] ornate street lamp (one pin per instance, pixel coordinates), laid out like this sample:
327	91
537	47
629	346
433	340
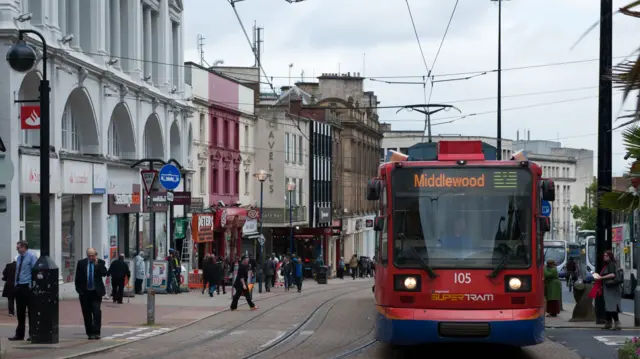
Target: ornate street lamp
262	176
291	187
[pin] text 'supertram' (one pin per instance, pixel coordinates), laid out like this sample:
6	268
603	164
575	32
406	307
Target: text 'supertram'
460	248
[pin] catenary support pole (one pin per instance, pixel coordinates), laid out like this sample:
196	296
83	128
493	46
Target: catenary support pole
603	221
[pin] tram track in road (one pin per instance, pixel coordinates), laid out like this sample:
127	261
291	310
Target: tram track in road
298	329
357	350
211	334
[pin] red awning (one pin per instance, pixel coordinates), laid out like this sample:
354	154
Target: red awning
232	217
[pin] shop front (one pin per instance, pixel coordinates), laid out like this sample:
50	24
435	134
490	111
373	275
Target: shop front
122	223
308	244
202	233
354	237
30	204
369	245
81	214
228	236
276	222
160	207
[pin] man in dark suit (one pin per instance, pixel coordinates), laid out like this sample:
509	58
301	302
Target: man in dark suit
90	288
118	271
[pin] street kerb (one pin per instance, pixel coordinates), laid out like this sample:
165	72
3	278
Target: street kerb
120	344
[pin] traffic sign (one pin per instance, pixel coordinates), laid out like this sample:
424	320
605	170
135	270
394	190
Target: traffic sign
546	208
261	240
148	179
170	177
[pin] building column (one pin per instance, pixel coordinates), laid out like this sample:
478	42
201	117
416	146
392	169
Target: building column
115	31
180	63
133	28
9	11
62	17
101	34
164	40
148	54
53	11
74	21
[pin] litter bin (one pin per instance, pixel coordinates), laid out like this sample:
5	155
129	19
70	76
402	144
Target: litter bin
321	275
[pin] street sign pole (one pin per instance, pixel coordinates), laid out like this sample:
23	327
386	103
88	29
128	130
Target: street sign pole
148	180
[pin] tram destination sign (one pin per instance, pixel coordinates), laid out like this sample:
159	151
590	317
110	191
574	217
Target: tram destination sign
465	180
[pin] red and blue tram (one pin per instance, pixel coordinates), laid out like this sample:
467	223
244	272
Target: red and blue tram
460	252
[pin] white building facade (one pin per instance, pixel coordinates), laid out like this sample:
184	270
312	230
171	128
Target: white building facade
572	171
111	103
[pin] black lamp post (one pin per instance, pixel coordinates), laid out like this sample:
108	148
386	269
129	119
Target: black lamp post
44	318
262	176
291	187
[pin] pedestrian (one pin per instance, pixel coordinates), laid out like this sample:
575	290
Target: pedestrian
177	272
9	278
269	270
552	288
241	285
25	261
90	288
297	271
222	269
209	274
140	272
118	271
340	268
609	287
353	265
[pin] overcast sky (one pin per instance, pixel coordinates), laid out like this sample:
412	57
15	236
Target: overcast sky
320	36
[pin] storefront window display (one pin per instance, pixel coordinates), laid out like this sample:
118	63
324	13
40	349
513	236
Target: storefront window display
30	210
71	235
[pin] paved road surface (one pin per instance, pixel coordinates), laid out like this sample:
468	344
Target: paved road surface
591	344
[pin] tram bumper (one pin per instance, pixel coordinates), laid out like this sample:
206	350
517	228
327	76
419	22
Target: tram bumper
408	326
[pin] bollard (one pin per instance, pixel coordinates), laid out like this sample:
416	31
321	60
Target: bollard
151	306
44	310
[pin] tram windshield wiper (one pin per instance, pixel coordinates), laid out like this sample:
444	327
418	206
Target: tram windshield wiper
425	265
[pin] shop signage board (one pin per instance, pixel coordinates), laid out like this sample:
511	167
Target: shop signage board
148	179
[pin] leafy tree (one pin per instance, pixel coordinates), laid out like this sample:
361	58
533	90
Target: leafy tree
585	215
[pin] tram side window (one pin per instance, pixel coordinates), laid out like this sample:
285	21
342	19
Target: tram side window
384	255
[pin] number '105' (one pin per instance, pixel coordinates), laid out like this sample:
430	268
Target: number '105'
462	278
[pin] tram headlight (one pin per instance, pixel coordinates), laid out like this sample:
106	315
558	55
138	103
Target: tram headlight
517	283
406	283
410	283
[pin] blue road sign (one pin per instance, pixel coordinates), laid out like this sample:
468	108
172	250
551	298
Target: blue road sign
170	177
546	208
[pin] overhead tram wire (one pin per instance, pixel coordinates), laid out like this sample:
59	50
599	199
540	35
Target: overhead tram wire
255	54
371	78
427	119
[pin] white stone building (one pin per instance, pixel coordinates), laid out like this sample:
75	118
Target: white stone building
572	171
117	95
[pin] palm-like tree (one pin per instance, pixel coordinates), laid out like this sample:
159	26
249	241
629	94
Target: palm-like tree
626	76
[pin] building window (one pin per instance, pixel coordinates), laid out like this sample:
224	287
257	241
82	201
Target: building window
246	138
70	140
236	136
286	148
300	191
30	213
246	183
72	250
202	136
203	180
227	181
112	139
295	149
236	184
225	134
300	150
214	181
214	131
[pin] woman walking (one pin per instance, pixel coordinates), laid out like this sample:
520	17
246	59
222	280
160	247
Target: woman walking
552	288
609	287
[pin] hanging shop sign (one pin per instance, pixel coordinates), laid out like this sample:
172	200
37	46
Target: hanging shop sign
202	226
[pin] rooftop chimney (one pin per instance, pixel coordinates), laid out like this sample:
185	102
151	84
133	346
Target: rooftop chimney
528	135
